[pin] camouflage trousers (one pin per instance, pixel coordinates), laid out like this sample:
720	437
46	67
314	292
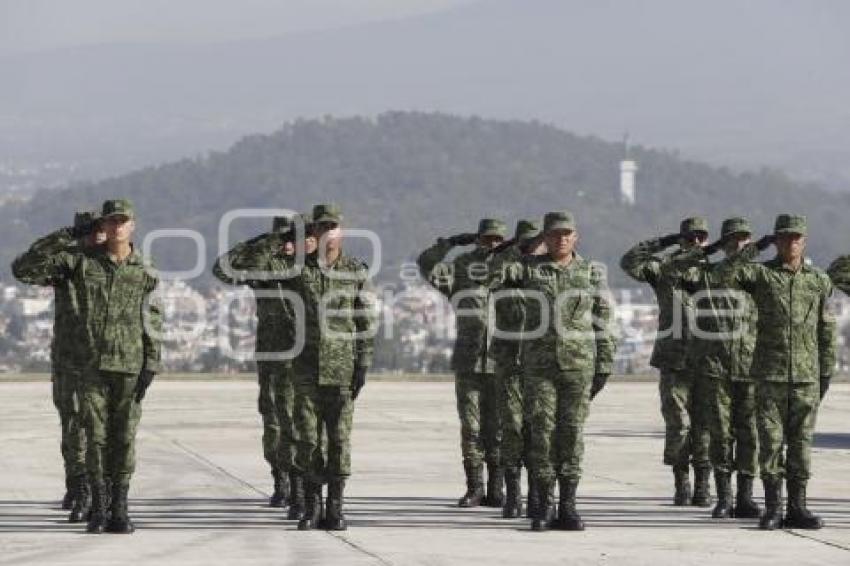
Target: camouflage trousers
319	408
514	416
558	405
734	435
276	404
66	399
478	408
786	423
111	415
684	407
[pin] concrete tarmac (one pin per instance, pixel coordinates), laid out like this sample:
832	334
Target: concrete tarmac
199	494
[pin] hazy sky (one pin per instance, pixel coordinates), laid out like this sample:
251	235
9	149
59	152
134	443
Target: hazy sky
42	24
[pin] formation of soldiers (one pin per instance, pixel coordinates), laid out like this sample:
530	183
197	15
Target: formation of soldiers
745	349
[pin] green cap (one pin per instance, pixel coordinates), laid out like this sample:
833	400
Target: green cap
492	227
790	224
526	230
330	212
735	225
118	207
85	217
693	224
281	224
559	220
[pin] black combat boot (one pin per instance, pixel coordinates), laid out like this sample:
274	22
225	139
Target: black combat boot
533	500
797	515
702	487
97	513
723	482
312	518
296	497
495	486
119	521
68	499
108	490
745	505
543	519
82	500
334	518
681	475
772	518
281	489
568	517
474	486
513	499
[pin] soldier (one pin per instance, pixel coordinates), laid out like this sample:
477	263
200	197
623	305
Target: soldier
506	351
793	362
331	369
262	263
566	363
67	361
839	272
723	350
120	341
687	436
465	282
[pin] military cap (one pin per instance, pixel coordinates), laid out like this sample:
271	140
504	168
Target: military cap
85	217
492	227
282	224
693	224
559	220
526	230
735	226
329	212
118	207
790	224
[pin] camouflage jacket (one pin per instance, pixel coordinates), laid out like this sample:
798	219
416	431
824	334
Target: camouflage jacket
113	301
464	281
510	316
725	319
839	272
797	333
675	309
339	320
568	315
262	266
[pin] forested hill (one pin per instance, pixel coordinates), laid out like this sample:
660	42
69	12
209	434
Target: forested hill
411	177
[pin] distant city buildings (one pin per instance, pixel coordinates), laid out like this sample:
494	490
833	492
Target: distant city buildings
214	331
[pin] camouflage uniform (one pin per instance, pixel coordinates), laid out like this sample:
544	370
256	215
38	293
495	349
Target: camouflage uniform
339	325
275	337
114	300
795	350
560	364
509	375
722	350
464	283
682	392
839	272
67	363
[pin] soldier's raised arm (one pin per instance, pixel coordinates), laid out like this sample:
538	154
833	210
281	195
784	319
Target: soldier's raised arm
642	262
245	257
433	269
740	269
49	260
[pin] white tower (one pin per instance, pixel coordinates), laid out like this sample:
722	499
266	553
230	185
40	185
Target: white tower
628	168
